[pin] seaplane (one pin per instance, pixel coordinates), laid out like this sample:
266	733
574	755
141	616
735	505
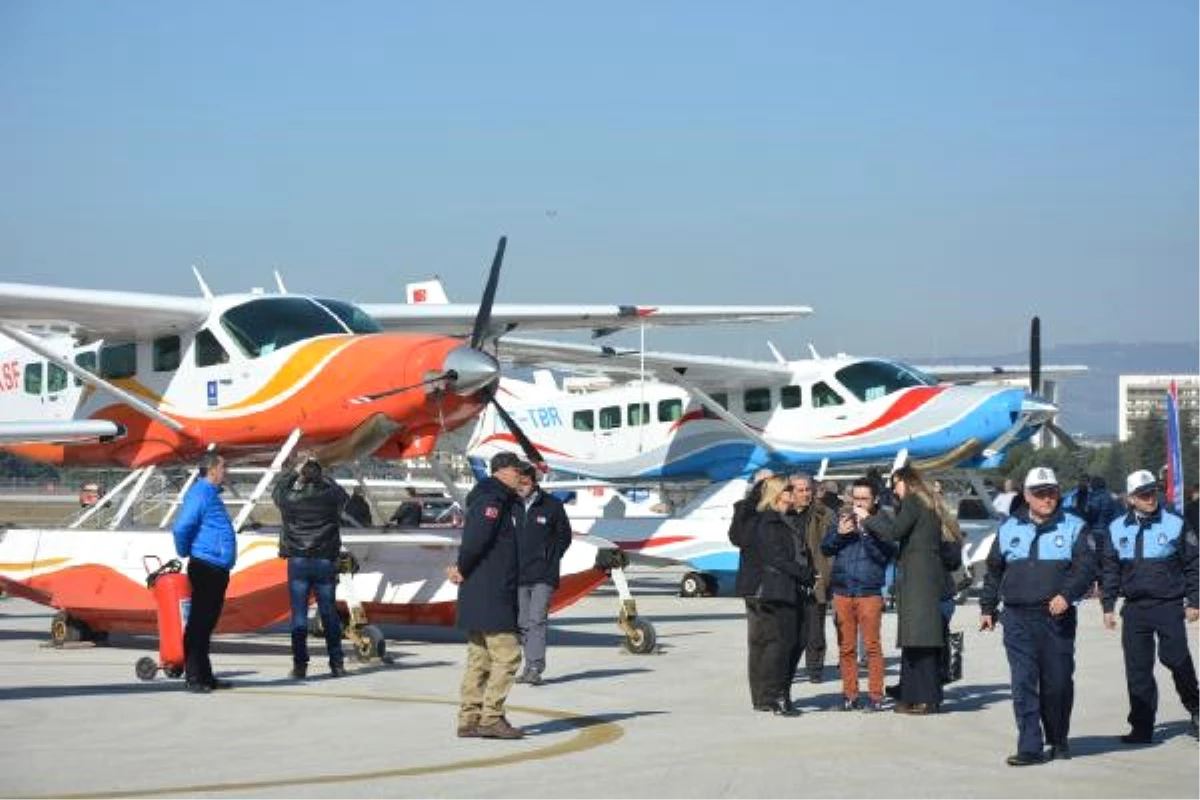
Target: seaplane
684	417
147	381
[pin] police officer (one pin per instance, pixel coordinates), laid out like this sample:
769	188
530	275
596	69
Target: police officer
486	574
1150	557
1044	561
543	536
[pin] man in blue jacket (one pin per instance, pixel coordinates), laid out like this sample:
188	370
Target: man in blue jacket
1041	565
204	535
1150	557
543	536
486	573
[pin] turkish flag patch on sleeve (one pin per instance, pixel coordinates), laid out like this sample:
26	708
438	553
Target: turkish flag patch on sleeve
492	512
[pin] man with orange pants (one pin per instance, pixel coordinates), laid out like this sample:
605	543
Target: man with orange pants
856	583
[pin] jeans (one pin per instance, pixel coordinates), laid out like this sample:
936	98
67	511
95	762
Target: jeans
318	576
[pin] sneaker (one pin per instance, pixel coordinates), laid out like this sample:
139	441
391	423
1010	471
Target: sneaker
1024	759
500	729
534	678
873	706
299	672
468	730
336	670
849	704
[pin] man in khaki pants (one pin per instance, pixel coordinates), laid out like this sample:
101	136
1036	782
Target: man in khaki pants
486	574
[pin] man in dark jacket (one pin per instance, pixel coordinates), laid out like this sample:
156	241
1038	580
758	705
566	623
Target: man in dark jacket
310	504
1040	566
543	536
860	562
1150	557
486	574
812	521
408	513
358	509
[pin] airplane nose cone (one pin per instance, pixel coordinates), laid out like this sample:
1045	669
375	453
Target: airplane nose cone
473	370
1038	410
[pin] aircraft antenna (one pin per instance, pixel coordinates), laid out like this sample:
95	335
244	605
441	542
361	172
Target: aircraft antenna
279	283
204	290
778	356
816	356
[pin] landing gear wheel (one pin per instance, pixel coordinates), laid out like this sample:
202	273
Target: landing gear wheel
692	585
146	668
370	644
65	628
642	639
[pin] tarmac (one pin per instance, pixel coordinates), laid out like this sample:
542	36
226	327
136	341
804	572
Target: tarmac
677	723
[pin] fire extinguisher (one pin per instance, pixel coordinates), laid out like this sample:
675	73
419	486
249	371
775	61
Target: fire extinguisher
173	596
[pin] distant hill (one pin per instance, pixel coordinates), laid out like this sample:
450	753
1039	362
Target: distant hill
1089	402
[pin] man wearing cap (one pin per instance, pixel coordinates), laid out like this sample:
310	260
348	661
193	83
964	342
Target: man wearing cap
1150	558
486	573
310	506
543	536
1041	564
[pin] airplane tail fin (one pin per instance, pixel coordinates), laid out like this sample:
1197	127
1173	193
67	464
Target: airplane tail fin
430	292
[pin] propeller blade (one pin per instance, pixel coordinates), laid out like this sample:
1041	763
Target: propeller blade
527	447
484	316
1062	436
1035	356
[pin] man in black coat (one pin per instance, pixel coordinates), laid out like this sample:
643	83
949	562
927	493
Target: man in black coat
310	504
759	627
543	536
486	574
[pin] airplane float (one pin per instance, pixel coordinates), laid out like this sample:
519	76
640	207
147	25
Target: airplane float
143	381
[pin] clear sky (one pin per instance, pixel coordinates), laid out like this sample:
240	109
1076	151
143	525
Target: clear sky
926	175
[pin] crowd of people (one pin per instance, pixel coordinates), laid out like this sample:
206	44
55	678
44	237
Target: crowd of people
800	554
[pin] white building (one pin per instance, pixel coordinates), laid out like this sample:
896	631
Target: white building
1142	396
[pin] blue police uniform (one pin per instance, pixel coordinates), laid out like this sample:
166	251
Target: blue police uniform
1028	565
1151	560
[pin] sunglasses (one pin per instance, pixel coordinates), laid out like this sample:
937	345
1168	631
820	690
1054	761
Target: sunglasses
1043	493
1145	494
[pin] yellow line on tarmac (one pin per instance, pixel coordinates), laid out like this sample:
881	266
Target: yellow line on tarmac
591	732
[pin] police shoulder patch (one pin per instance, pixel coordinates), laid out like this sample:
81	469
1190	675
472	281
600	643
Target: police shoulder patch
492	512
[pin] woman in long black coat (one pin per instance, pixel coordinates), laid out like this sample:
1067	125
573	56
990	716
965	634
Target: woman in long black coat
917	528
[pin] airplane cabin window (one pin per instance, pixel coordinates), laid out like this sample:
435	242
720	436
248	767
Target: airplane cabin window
209	351
870	380
87	360
670	410
584	420
56	380
789	396
353	317
757	400
610	417
33	378
267	324
166	354
638	414
118	361
721	398
824	396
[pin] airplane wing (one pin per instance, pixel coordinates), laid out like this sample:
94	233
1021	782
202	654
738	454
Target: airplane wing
91	314
669	367
972	374
59	431
459	318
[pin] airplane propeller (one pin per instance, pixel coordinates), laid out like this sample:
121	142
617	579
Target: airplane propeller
1035	381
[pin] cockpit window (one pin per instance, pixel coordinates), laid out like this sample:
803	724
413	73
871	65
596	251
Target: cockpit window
263	326
352	316
870	380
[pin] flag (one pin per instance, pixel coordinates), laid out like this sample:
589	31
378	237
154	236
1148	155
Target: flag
1174	453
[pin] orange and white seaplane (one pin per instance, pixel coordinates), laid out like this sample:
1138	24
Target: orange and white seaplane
147	381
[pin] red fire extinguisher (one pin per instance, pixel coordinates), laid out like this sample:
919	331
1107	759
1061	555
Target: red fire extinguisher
173	596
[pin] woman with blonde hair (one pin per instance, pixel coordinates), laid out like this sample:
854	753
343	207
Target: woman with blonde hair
786	580
919	528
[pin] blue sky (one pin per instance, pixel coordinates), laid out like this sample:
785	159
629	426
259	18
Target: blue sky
926	175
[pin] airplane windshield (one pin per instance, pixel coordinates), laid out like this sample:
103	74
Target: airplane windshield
870	380
351	316
265	325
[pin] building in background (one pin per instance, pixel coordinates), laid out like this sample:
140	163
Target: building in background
1142	396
